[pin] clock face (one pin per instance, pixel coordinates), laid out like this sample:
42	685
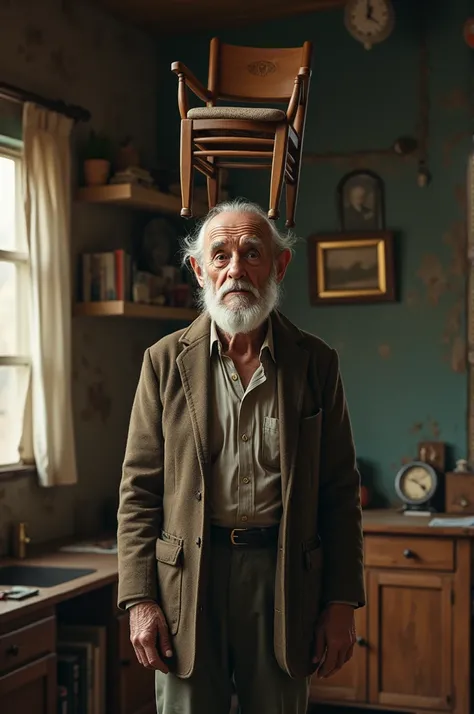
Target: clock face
416	483
369	21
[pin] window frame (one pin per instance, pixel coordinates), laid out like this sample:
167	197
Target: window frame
20	259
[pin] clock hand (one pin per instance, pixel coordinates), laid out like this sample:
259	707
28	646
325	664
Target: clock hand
370	10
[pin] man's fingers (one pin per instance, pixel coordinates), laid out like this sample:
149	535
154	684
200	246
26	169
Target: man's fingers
319	645
341	658
140	654
164	639
350	652
153	659
330	661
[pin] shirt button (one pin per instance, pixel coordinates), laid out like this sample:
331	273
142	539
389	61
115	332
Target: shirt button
244	437
198	542
246	480
199	495
244	518
234	376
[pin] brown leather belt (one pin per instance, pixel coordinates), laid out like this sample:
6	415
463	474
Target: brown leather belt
245	537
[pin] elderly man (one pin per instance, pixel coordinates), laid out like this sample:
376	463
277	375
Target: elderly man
239	525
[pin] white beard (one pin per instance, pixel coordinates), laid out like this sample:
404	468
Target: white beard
241	314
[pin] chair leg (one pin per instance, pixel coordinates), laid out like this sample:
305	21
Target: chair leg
213	186
292	195
278	170
186	168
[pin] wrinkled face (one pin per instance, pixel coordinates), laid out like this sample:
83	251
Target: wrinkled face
240	273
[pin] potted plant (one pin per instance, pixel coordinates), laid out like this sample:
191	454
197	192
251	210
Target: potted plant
97	159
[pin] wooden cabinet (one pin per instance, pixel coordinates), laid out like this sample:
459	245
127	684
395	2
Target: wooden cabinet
411	639
28	666
31	688
414	635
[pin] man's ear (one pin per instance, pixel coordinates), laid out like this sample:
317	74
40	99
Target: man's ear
282	264
197	271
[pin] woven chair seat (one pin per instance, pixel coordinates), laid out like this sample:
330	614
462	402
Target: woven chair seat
248	113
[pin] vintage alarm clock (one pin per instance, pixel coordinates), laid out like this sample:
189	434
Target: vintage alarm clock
419	486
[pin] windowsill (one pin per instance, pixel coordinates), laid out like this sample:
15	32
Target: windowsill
16	471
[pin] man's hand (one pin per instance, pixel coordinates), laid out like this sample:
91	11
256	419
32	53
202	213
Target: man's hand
148	629
335	639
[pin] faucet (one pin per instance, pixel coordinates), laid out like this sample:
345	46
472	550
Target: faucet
19	540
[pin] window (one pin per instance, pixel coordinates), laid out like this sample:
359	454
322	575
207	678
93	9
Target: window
14	311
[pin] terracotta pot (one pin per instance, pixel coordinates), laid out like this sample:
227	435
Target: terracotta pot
96	171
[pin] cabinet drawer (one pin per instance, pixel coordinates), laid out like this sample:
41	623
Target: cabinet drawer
409	552
460	493
27	643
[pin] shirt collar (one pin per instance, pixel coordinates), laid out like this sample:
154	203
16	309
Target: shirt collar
267	343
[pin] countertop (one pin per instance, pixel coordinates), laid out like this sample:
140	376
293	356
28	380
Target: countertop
104	565
385	521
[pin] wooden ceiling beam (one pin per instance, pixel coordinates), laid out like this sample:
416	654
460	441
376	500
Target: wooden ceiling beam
208	15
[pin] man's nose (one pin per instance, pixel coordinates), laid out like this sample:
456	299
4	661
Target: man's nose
236	268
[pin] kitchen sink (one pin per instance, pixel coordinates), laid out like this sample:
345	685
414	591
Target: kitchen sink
40	576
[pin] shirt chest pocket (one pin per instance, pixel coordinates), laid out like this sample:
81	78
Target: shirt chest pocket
270	447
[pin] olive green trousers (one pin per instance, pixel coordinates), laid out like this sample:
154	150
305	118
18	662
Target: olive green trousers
239	647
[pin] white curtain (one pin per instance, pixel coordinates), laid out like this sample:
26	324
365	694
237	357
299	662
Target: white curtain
46	186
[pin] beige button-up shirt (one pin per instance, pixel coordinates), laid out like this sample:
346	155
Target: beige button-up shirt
245	440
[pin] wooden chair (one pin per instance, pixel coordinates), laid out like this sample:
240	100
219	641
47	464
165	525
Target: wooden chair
215	137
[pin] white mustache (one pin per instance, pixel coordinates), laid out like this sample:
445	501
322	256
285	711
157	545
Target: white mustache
235	285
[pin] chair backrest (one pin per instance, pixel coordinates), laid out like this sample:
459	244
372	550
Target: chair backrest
255	73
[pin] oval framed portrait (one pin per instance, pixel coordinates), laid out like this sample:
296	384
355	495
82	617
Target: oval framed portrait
360	199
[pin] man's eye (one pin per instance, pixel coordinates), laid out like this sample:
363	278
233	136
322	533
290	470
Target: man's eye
253	254
220	257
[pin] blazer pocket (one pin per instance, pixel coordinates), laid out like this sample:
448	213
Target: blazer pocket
170	576
271	443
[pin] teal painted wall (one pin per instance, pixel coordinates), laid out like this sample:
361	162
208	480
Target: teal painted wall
404	363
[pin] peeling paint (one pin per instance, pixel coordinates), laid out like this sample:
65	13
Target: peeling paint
432	274
454	339
435	429
384	351
98	403
413	298
458	355
451	143
456	238
456	98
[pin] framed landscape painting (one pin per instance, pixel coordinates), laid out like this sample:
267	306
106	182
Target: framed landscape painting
351	268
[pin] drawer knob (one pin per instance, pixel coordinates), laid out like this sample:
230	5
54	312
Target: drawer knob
463	502
407	553
361	642
13	650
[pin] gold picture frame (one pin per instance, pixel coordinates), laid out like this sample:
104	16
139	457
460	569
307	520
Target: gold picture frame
351	268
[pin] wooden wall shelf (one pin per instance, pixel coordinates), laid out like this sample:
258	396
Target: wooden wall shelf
145	199
119	308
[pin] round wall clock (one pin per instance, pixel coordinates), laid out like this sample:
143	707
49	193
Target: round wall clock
369	21
417	484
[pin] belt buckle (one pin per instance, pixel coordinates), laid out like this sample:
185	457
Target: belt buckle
232	536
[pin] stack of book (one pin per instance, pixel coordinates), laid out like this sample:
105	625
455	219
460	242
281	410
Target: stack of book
106	276
81	657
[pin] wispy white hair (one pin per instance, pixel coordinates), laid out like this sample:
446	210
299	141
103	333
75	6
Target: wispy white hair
194	243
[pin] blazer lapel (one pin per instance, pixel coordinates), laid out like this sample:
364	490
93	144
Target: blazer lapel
194	368
292	364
